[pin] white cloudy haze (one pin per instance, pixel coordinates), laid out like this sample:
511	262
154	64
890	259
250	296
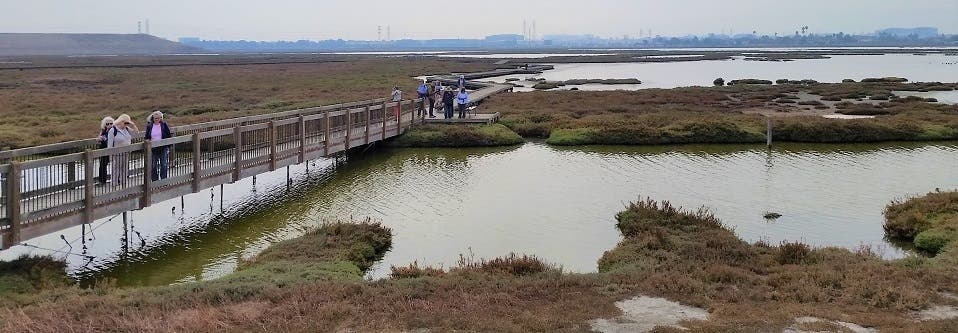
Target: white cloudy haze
358	19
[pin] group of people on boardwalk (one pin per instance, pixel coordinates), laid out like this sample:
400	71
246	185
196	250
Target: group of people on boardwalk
445	98
120	132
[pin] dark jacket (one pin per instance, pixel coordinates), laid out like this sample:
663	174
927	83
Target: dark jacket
166	130
102	144
448	97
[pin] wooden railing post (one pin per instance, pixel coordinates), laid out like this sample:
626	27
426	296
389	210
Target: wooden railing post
302	139
3	180
326	136
349	128
384	120
366	112
147	174
88	186
197	167
72	174
13	204
272	145
238	152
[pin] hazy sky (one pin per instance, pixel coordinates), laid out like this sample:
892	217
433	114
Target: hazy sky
358	19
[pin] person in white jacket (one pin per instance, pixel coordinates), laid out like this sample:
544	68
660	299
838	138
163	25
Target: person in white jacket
121	135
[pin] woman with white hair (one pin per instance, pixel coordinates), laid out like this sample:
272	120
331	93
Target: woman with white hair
105	125
156	130
121	135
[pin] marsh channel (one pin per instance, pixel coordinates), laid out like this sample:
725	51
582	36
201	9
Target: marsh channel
556	203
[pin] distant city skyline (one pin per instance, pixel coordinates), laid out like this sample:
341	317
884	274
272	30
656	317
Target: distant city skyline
375	19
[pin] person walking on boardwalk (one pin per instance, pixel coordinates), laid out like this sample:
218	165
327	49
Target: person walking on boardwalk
156	130
462	98
448	98
121	135
105	125
431	95
421	93
462	81
396	98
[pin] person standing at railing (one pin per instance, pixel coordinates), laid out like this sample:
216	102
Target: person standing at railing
448	98
422	91
105	125
431	95
121	135
156	130
462	98
397	98
438	98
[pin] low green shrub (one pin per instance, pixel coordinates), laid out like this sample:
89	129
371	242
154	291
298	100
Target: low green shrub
934	240
448	135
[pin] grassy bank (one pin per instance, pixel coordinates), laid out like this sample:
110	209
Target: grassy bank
930	222
457	136
733	114
314	283
41	106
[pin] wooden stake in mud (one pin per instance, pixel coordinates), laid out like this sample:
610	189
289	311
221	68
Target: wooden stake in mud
768	132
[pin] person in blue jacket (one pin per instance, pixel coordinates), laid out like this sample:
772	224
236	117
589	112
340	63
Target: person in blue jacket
422	92
462	98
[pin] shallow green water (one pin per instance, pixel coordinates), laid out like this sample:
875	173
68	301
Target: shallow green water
556	203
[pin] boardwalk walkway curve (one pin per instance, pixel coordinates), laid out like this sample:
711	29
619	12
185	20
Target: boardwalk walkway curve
49	188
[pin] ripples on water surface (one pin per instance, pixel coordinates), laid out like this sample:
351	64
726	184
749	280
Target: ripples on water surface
556	203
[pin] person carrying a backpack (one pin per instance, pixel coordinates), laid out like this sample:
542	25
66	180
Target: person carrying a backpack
462	98
156	130
121	135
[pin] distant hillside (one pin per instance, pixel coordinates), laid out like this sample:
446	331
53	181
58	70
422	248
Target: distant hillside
17	44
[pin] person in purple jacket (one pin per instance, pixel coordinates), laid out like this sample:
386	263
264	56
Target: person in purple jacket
157	129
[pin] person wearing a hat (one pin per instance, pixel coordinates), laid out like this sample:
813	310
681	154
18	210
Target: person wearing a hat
121	135
156	130
105	125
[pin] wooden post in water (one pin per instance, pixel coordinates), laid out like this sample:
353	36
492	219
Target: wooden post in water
197	167
147	174
326	135
302	139
13	204
272	145
238	152
768	131
88	186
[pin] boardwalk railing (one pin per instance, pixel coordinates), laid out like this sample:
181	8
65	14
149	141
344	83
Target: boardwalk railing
44	195
49	188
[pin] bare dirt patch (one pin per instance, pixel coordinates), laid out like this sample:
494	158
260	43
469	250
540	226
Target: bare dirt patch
642	314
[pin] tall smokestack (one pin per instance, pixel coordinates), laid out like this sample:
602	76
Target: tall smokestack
534	36
525	30
139	27
147	26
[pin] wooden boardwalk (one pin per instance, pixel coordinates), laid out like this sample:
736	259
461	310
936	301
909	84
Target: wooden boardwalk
49	188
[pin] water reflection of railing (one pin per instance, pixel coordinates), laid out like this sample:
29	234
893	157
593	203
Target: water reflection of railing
45	194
